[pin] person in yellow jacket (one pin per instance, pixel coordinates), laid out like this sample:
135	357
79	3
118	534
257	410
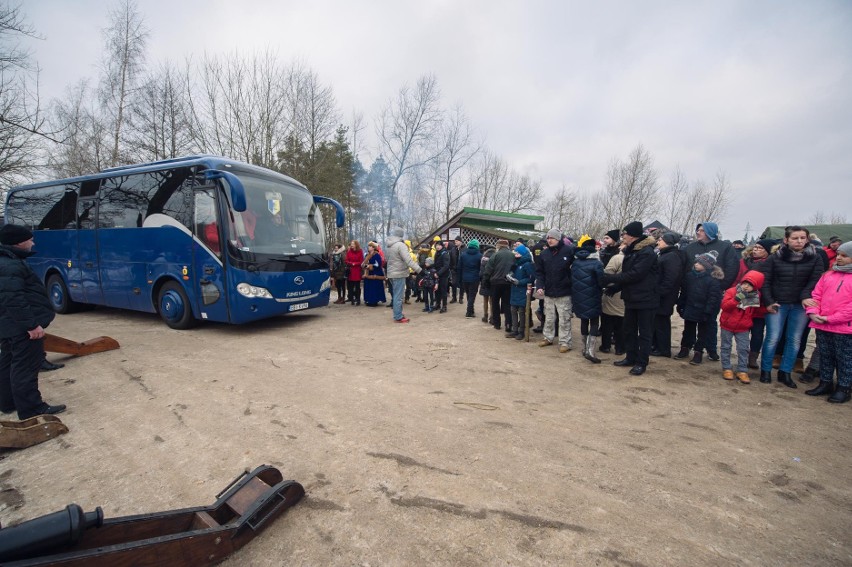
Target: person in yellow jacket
410	281
434	241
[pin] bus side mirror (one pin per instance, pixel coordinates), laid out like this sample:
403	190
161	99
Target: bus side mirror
341	215
238	192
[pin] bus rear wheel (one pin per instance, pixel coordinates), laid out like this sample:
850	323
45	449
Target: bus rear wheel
57	291
174	308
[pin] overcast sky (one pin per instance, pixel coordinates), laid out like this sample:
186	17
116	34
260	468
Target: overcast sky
761	90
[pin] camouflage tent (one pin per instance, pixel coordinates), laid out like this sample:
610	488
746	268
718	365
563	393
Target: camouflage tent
823	231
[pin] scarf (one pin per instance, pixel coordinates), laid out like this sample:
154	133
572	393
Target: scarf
747	298
847	269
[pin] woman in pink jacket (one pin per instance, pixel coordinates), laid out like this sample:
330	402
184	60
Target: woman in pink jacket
832	319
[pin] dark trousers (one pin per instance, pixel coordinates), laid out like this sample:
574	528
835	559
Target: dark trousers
663	334
712	336
410	287
500	295
20	361
835	354
340	284
590	326
758	327
638	332
354	291
696	335
441	295
469	289
612	328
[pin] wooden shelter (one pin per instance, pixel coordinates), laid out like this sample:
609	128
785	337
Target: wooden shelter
488	227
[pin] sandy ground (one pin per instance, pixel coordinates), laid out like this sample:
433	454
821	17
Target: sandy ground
441	442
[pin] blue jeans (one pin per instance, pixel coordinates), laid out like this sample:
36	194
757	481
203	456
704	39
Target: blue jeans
397	291
794	315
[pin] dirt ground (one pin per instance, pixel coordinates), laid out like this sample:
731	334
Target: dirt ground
440	442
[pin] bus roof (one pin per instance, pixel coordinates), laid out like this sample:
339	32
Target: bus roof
208	161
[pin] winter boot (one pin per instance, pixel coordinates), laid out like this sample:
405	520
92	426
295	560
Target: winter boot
776	361
682	353
799	365
766	376
840	396
752	359
808	375
743	377
823	389
697	356
728	374
591	343
585	346
786	379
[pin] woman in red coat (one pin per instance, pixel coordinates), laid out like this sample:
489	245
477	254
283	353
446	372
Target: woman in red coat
354	258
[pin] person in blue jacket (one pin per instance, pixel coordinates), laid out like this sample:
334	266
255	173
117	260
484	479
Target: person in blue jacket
522	276
468	267
586	289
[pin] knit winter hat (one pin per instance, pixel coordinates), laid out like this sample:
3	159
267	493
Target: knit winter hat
521	251
12	234
429	261
766	244
708	259
846	248
614	234
834	239
397	231
474	243
671	238
634	229
554	233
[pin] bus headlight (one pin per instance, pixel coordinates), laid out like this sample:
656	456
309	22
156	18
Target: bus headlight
253	291
325	285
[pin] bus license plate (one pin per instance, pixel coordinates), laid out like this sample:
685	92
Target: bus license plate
298	306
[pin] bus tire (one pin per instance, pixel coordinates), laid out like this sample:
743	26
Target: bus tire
173	306
57	292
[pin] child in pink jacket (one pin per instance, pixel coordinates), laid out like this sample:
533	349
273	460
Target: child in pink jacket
832	319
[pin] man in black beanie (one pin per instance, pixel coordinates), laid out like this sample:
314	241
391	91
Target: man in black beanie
25	311
637	282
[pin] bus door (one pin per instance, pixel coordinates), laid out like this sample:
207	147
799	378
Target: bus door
210	286
87	249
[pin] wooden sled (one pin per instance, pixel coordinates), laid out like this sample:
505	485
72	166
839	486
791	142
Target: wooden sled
29	432
191	536
54	343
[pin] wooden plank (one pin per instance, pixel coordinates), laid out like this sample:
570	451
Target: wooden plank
247	495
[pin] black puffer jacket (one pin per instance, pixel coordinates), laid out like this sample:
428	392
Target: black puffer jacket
607	252
442	263
586	276
24	304
701	295
638	277
670	263
553	270
786	281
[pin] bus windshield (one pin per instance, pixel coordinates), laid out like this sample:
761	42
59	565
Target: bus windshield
280	220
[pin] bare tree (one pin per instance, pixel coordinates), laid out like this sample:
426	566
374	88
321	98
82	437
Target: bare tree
631	188
22	121
160	127
124	57
821	217
405	129
488	175
86	147
674	201
458	147
704	203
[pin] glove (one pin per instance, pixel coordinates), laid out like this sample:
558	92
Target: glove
610	291
739	296
512	279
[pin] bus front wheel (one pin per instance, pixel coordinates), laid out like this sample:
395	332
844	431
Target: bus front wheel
174	307
57	291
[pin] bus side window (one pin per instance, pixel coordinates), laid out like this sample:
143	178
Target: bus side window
206	224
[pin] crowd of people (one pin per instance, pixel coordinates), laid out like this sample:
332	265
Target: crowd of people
743	307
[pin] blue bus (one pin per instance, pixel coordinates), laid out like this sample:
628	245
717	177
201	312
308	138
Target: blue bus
193	238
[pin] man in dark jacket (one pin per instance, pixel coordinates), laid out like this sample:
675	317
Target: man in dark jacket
455	248
638	284
442	267
468	274
727	258
670	263
553	284
25	311
495	271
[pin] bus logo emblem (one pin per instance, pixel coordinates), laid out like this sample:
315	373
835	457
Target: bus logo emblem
298	280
